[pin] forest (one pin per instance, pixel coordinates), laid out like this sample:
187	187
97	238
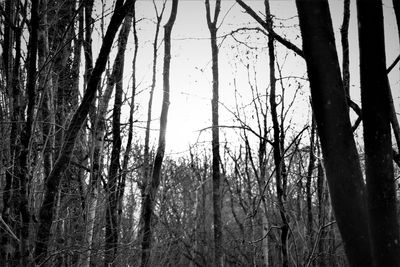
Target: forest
199	133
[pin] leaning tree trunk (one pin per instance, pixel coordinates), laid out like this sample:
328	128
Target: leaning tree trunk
216	180
152	186
375	97
341	160
97	154
53	180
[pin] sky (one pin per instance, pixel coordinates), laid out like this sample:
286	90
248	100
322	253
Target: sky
190	80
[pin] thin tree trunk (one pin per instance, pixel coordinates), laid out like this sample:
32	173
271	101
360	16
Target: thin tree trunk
375	97
111	238
217	221
341	160
311	165
396	7
124	169
344	34
53	180
152	186
278	154
146	154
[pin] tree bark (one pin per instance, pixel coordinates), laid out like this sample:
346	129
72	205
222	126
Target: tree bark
344	34
111	237
311	165
212	26
23	168
53	180
375	97
277	144
152	186
146	153
343	170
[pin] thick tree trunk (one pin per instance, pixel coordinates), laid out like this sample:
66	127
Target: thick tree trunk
23	168
375	97
53	180
212	26
8	62
45	84
331	114
152	186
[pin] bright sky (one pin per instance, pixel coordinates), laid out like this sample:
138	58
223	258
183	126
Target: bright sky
190	109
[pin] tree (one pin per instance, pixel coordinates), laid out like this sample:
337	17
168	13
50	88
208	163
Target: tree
376	98
153	184
212	27
54	178
111	237
346	184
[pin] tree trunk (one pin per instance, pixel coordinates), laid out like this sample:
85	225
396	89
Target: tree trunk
23	168
212	26
53	180
331	114
124	169
396	7
310	171
111	238
146	154
278	154
344	34
375	97
152	186
8	62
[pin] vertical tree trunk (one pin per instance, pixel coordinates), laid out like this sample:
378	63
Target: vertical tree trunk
375	97
152	186
331	114
23	168
278	153
111	238
146	154
321	214
9	37
396	7
124	169
310	170
53	180
212	26
45	85
344	34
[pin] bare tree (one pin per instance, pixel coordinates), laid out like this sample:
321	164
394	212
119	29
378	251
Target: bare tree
153	184
213	28
377	135
111	238
329	105
54	178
